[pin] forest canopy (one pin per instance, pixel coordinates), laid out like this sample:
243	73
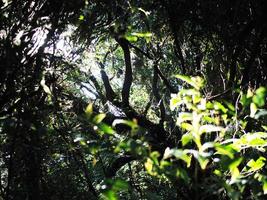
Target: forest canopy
133	99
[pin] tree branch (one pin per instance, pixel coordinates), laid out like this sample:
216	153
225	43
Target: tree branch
110	94
128	78
157	96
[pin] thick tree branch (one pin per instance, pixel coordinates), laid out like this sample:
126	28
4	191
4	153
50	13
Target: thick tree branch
157	96
110	94
128	78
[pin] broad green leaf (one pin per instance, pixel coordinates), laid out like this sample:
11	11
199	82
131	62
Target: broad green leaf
234	174
99	118
106	128
256	165
110	195
217	172
219	106
210	128
81	18
259	97
245	100
186	138
249	93
184	116
149	167
89	109
175	102
253	110
225	150
197	82
131	38
230	106
202	161
146	34
154	156
186	126
235	163
257	142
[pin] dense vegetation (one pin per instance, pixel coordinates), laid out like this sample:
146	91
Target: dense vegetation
133	99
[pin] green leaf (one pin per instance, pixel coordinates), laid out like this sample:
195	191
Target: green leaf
186	138
146	34
175	102
219	106
99	118
110	195
131	38
106	129
186	126
230	106
89	110
259	97
256	165
185	116
197	82
149	167
235	163
210	128
81	17
253	110
225	150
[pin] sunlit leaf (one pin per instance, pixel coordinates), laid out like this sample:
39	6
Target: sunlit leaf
259	97
81	17
99	118
210	128
106	128
225	150
253	109
219	106
186	126
197	82
202	161
149	167
89	109
131	38
110	195
186	138
256	165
